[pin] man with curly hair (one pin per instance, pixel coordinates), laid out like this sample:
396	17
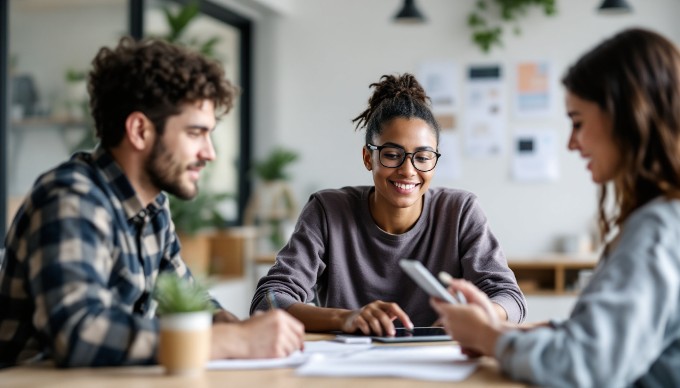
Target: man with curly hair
85	248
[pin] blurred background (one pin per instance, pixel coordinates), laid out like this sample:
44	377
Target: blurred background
305	67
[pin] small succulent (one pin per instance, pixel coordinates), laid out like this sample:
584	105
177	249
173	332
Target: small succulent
178	295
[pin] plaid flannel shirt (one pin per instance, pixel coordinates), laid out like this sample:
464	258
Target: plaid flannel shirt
82	256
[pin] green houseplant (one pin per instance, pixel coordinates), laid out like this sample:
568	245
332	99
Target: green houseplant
273	202
488	16
185	319
196	221
273	167
174	295
179	21
192	216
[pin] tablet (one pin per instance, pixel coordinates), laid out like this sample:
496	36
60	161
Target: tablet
419	334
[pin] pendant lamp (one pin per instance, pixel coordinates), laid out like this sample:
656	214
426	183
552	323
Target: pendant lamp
614	7
409	13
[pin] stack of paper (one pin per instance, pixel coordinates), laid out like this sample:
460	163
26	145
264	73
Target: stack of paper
437	363
327	358
312	349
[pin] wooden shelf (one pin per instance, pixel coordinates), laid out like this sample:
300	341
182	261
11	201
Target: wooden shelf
550	274
547	274
265	258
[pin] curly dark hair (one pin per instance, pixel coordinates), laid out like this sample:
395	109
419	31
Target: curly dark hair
395	96
153	77
634	77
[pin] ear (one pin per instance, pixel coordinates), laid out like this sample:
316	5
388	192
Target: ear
367	158
139	131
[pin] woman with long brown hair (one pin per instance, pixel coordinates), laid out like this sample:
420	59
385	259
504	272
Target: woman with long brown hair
623	98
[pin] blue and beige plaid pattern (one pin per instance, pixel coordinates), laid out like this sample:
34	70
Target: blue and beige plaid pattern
82	256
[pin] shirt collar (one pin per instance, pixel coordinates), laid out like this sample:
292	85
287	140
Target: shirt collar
122	188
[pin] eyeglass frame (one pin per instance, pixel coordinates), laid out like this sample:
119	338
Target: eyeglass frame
374	147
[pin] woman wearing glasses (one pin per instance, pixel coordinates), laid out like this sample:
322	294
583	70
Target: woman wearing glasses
348	242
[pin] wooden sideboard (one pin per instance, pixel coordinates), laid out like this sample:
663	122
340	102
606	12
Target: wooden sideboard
545	274
551	274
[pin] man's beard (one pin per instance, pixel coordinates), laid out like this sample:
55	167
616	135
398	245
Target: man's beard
165	172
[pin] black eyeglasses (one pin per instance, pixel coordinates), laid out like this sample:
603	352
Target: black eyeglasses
393	157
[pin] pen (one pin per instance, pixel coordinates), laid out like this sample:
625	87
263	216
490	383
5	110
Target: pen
446	279
271	298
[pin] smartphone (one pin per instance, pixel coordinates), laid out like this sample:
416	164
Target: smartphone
426	280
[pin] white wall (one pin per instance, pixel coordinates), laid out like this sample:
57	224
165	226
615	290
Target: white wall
314	65
316	58
47	38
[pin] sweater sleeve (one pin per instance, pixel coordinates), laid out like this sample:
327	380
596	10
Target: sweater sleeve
298	265
484	264
624	320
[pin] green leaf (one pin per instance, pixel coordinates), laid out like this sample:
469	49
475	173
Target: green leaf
273	167
180	21
73	75
201	212
481	21
178	295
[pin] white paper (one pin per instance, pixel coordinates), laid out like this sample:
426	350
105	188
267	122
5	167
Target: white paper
534	92
333	348
294	360
439	81
535	156
485	112
312	349
435	363
449	164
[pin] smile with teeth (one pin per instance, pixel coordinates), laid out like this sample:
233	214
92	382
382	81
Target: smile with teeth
405	186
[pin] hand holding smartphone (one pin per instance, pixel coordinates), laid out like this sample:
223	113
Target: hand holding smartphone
427	281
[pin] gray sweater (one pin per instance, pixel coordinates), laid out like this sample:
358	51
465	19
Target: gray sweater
338	247
625	327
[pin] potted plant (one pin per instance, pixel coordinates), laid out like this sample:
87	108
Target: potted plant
196	221
185	316
273	202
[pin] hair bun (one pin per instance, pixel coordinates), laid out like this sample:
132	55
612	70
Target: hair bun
391	88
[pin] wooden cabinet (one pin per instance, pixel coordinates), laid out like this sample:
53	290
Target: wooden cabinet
221	254
550	274
231	250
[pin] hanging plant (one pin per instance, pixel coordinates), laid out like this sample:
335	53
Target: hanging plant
487	18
